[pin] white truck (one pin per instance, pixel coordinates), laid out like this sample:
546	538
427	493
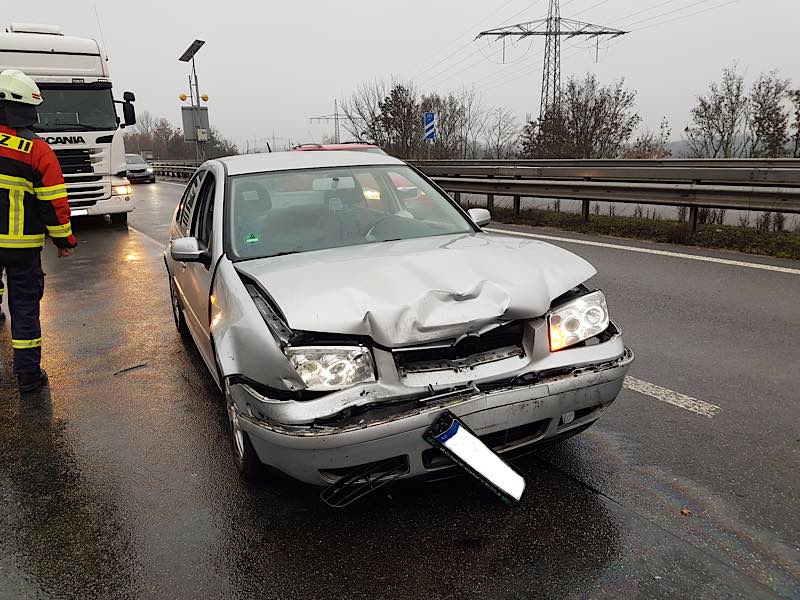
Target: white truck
78	117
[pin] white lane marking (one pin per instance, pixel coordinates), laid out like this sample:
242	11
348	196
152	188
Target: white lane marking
722	261
147	238
670	397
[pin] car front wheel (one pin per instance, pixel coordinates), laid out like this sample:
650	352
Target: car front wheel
244	455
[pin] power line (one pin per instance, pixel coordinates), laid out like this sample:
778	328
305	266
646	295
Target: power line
491	14
525	72
666	13
553	28
591	7
678	18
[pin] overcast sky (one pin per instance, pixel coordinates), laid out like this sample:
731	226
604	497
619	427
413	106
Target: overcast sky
269	66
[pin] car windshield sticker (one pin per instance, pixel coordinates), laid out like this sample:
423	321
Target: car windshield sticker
335	204
252	239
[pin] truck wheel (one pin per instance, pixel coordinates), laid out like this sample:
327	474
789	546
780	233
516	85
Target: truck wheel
245	457
119	219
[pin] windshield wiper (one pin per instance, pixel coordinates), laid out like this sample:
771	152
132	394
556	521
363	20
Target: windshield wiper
283	253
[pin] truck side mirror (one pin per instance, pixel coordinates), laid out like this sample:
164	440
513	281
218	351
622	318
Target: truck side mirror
128	97
129	112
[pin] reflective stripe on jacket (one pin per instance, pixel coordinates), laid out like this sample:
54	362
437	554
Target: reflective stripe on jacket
33	197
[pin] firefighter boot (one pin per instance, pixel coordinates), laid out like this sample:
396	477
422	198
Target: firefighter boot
30	382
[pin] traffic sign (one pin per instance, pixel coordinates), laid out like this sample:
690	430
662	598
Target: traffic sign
430	126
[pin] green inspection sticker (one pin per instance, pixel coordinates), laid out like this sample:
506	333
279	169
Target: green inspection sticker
252	239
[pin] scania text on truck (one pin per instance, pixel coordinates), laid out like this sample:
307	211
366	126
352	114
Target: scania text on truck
78	117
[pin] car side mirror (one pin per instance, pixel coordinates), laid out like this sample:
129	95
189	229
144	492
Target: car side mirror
480	216
187	249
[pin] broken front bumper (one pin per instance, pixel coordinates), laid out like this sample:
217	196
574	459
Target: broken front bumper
504	417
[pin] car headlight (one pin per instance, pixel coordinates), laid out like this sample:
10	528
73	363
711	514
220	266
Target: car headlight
148	170
577	320
327	368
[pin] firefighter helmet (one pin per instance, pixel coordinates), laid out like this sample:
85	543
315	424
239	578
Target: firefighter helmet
15	86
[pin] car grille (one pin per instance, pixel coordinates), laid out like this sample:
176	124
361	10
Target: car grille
136	171
499	343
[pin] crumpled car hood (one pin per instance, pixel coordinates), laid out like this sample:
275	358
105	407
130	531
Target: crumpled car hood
420	290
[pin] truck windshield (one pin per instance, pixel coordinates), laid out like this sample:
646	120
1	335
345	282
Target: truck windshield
76	107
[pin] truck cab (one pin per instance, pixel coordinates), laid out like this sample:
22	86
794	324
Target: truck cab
78	117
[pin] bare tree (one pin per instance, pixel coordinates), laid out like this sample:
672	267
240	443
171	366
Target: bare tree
362	112
719	127
769	118
592	121
145	123
794	96
473	124
650	144
502	134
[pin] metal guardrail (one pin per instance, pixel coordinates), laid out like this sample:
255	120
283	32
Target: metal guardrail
741	184
182	169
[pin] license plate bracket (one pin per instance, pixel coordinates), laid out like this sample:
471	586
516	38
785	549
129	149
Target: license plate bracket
459	443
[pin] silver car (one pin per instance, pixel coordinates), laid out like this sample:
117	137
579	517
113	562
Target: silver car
138	169
341	321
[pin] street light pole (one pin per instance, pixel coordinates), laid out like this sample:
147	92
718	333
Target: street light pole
194	96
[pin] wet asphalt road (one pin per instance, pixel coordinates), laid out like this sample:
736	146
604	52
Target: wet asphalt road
119	484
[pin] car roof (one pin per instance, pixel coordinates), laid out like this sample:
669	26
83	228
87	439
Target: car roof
286	161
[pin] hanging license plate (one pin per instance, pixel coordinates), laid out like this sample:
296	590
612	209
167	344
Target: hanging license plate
463	447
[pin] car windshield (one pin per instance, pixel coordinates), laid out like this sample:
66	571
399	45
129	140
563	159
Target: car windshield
76	107
134	159
298	211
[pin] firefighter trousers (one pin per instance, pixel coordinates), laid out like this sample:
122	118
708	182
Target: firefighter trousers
24	288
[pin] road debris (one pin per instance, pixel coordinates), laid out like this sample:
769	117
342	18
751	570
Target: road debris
129	369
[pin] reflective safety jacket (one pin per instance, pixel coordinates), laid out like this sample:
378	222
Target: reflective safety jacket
33	197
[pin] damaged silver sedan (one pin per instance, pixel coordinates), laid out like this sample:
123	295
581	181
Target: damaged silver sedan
343	302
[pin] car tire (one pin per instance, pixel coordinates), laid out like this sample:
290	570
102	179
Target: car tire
244	455
152	180
119	219
177	310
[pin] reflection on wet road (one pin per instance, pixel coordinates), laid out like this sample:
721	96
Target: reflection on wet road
119	484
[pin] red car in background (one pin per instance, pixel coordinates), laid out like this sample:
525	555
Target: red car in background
413	200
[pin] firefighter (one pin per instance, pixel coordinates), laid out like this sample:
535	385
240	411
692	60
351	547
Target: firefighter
33	202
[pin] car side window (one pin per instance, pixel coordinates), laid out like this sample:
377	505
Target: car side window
189	200
204	214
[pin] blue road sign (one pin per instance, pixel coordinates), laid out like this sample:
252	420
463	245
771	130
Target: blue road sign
430	126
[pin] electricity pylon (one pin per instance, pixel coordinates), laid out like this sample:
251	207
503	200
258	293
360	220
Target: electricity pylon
553	28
